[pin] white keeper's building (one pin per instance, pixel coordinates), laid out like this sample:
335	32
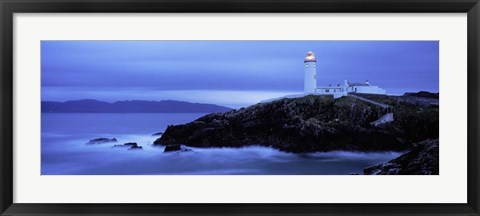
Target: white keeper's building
310	83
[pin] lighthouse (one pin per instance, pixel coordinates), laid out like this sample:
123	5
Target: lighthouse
310	73
337	91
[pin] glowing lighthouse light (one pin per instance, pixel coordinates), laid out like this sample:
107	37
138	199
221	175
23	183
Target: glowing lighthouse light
310	73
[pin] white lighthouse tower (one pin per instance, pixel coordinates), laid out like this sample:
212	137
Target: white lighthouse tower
310	73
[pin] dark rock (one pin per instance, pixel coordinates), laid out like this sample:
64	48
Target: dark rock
136	148
420	99
177	148
309	124
157	134
119	146
421	160
101	140
422	94
172	147
186	150
129	144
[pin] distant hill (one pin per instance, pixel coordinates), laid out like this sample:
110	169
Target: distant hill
134	106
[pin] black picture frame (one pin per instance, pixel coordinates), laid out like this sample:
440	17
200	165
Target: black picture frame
9	7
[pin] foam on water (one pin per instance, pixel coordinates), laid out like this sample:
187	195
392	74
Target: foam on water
65	152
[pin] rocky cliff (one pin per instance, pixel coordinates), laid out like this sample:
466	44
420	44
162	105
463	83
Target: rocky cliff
421	160
312	123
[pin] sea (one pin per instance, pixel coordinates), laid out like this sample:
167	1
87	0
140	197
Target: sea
64	150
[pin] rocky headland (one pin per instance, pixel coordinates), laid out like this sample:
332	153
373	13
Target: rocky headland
421	160
315	123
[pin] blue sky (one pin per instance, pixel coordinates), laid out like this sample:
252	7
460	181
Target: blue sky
229	73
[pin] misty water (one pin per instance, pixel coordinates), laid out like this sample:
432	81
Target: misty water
65	152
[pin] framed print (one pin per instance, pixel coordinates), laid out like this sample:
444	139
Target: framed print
235	107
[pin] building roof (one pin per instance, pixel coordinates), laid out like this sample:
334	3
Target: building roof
333	87
357	84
